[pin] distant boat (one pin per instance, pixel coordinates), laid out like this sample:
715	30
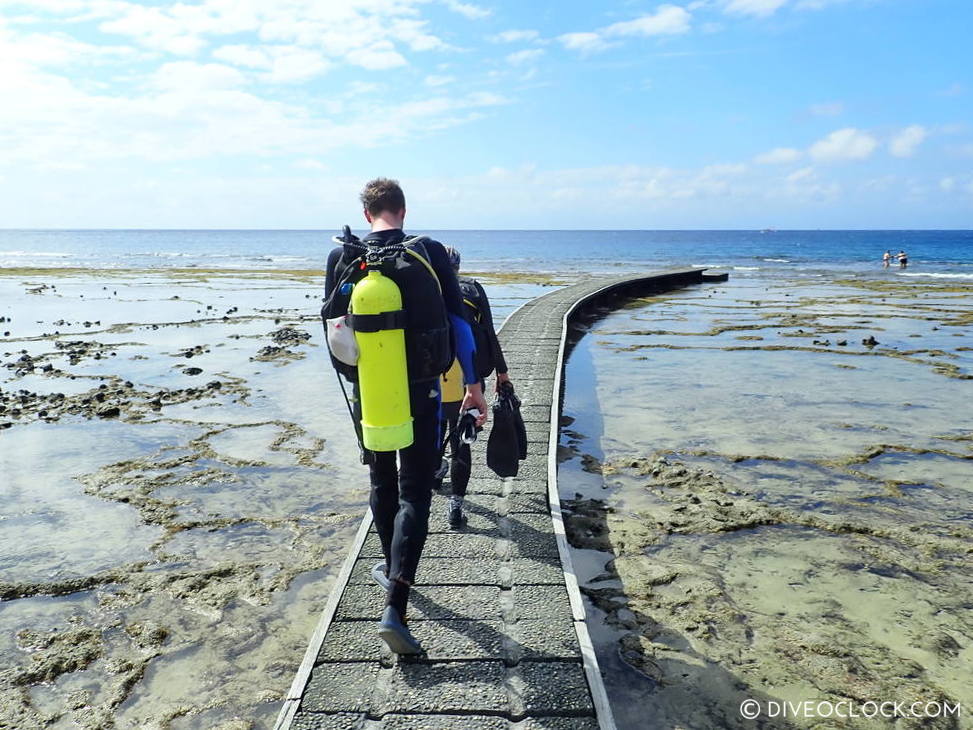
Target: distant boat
768	230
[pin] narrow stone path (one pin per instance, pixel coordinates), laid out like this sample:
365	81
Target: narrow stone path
496	605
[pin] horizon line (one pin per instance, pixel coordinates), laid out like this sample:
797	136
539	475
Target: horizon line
506	230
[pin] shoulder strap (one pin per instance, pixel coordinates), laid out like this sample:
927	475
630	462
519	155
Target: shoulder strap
409	244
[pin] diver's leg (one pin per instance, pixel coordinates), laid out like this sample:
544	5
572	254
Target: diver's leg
417	471
384	498
459	472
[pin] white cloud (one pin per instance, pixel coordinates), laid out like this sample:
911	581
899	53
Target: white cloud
666	20
518	58
844	144
188	75
246	56
468	10
413	32
947	184
805	173
758	8
584	42
778	156
514	36
281	63
155	29
827	109
906	142
377	57
435	80
333	30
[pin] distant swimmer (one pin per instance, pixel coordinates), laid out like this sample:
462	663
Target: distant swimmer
903	259
886	259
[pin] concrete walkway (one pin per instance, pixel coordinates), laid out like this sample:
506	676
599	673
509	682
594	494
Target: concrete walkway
496	606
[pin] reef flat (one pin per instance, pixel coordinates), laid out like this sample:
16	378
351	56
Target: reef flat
180	485
769	487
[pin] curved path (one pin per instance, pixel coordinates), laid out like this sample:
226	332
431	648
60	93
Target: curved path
496	606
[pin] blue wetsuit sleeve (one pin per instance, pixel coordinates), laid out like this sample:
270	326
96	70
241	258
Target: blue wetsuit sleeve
462	334
465	348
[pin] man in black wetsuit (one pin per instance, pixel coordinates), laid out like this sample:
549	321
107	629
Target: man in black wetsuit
401	493
478	310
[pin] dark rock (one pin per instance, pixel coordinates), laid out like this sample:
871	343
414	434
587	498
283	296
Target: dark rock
193	371
869	341
111	412
841	343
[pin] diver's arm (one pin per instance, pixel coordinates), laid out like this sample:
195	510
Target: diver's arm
329	281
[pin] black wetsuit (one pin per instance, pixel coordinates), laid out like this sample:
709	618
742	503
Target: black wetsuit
401	493
460	459
482	304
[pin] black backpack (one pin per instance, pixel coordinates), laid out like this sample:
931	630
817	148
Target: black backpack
428	337
473	301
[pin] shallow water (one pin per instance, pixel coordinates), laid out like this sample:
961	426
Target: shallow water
781	511
165	564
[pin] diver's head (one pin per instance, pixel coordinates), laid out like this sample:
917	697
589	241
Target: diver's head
454	258
384	203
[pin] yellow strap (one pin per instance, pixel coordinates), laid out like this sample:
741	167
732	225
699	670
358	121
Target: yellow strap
478	315
428	266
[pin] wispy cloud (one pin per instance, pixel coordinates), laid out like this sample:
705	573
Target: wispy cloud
666	20
519	58
514	36
760	8
468	10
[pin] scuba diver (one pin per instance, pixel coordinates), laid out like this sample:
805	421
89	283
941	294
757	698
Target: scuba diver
488	358
400	299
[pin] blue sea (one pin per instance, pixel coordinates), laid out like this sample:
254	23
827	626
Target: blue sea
941	254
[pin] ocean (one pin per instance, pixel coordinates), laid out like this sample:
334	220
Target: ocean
940	254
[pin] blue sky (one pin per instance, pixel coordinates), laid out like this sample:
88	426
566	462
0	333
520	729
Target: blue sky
493	114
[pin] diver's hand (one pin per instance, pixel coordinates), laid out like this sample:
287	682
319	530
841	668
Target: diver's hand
474	399
501	379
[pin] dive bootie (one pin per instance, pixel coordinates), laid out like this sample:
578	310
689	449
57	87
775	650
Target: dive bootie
380	575
395	634
454	513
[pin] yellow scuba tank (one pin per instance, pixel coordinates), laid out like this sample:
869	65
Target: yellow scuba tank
383	379
451	383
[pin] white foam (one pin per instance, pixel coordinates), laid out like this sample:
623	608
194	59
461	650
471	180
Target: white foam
36	253
935	275
746	268
778	261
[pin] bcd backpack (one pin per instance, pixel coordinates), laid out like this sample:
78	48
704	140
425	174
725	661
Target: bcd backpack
473	301
428	339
